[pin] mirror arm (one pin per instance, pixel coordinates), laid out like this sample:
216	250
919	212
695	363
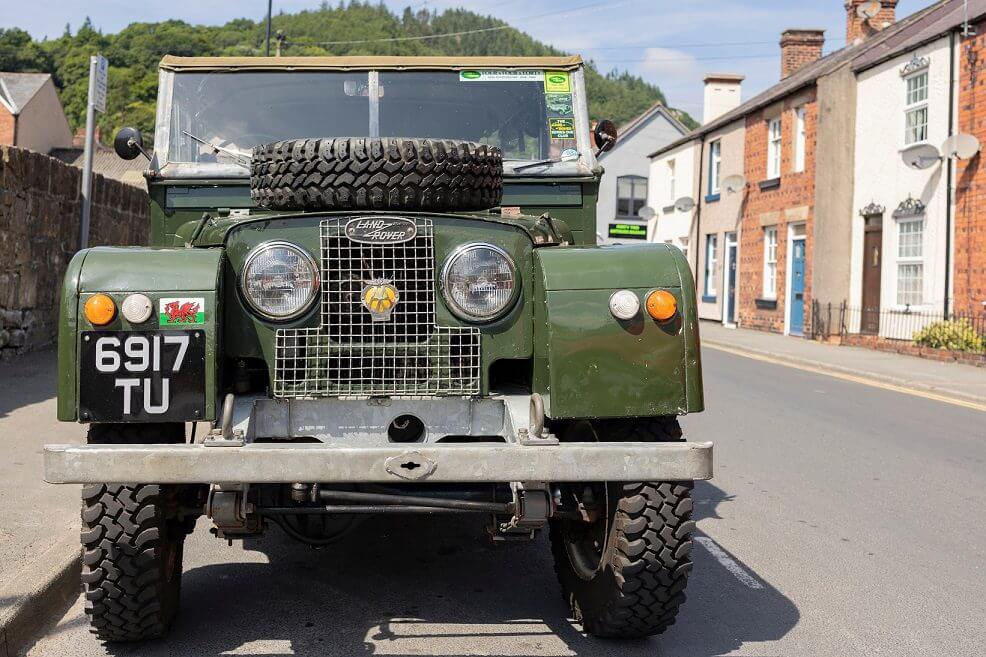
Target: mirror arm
133	142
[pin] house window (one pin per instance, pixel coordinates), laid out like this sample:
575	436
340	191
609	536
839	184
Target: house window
916	110
710	265
631	195
683	245
770	263
774	149
715	166
671	183
910	262
800	140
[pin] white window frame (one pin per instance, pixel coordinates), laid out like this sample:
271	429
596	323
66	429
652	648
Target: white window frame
671	182
909	261
715	167
775	146
770	262
800	139
912	107
711	244
634	181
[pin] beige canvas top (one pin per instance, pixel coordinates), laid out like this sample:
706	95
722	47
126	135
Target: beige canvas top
365	63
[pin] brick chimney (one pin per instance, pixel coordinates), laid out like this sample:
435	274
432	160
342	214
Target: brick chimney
859	27
800	47
722	94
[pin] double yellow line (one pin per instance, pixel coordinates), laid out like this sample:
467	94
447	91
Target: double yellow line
873	383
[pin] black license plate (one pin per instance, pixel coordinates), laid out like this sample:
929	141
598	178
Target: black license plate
142	376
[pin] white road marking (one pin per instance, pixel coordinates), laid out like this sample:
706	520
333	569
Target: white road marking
728	562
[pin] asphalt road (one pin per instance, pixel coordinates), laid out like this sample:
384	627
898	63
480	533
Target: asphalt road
843	520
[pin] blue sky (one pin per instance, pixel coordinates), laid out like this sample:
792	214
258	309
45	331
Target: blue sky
670	43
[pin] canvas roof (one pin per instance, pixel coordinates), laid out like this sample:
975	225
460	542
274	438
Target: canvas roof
803	77
357	63
17	89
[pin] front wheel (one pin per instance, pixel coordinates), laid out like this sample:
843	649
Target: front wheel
132	546
623	570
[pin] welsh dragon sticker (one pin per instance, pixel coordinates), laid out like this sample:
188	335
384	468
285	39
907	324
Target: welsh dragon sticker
179	311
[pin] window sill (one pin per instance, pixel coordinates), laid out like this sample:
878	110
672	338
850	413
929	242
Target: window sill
712	198
772	183
766	304
708	298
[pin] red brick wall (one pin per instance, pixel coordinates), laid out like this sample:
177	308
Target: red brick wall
6	127
969	268
795	190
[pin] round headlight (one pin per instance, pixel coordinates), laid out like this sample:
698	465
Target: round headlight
279	280
479	282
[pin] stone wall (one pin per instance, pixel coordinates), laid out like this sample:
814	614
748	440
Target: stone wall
39	234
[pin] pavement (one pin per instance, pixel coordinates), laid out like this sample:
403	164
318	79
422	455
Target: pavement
947	380
39	523
844	519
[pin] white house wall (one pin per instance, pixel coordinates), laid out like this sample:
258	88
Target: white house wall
669	225
629	158
882	177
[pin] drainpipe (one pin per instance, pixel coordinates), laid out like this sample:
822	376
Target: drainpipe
950	195
697	246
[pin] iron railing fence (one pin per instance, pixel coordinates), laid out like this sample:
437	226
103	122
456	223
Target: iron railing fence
952	331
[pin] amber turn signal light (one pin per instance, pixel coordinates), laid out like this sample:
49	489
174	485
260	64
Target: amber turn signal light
100	309
661	305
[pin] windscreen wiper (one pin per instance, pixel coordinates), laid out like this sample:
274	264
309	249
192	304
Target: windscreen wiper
240	156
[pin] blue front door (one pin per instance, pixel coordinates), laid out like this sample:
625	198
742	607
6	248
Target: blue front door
797	320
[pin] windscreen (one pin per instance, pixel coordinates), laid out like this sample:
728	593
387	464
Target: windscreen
221	116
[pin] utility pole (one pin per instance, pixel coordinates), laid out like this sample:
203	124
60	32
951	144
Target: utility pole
98	70
269	3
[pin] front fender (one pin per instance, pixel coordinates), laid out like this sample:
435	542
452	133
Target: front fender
588	364
119	271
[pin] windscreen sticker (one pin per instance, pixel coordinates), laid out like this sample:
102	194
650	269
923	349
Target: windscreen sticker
557	82
560	128
501	75
558	104
628	231
174	311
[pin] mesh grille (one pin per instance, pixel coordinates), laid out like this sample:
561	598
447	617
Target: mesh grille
351	355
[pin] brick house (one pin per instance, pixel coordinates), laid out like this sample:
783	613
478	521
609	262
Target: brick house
798	150
31	114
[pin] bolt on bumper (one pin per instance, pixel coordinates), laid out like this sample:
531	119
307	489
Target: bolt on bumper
256	463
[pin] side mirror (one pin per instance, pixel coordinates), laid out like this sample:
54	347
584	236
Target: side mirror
128	144
605	134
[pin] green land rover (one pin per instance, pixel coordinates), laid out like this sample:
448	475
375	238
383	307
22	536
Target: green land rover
374	283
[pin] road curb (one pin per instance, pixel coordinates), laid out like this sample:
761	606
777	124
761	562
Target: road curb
849	371
31	597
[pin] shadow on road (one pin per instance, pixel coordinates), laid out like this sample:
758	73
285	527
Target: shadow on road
429	586
27	379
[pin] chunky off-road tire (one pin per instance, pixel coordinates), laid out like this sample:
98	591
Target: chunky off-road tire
360	173
635	585
132	546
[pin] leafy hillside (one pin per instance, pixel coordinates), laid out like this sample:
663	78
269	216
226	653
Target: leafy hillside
353	29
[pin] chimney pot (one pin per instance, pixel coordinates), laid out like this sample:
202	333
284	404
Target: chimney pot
800	47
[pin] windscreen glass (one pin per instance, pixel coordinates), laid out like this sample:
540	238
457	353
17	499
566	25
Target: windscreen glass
220	117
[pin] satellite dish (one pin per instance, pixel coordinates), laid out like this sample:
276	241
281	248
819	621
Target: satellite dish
646	213
868	10
924	156
684	204
733	184
961	146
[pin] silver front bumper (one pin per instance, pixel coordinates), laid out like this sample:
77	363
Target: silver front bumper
256	463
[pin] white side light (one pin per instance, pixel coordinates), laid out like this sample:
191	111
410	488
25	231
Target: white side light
137	308
624	305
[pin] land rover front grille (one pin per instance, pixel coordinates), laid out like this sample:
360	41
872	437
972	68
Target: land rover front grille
350	355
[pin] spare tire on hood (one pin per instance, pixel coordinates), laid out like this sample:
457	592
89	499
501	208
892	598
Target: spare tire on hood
364	173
